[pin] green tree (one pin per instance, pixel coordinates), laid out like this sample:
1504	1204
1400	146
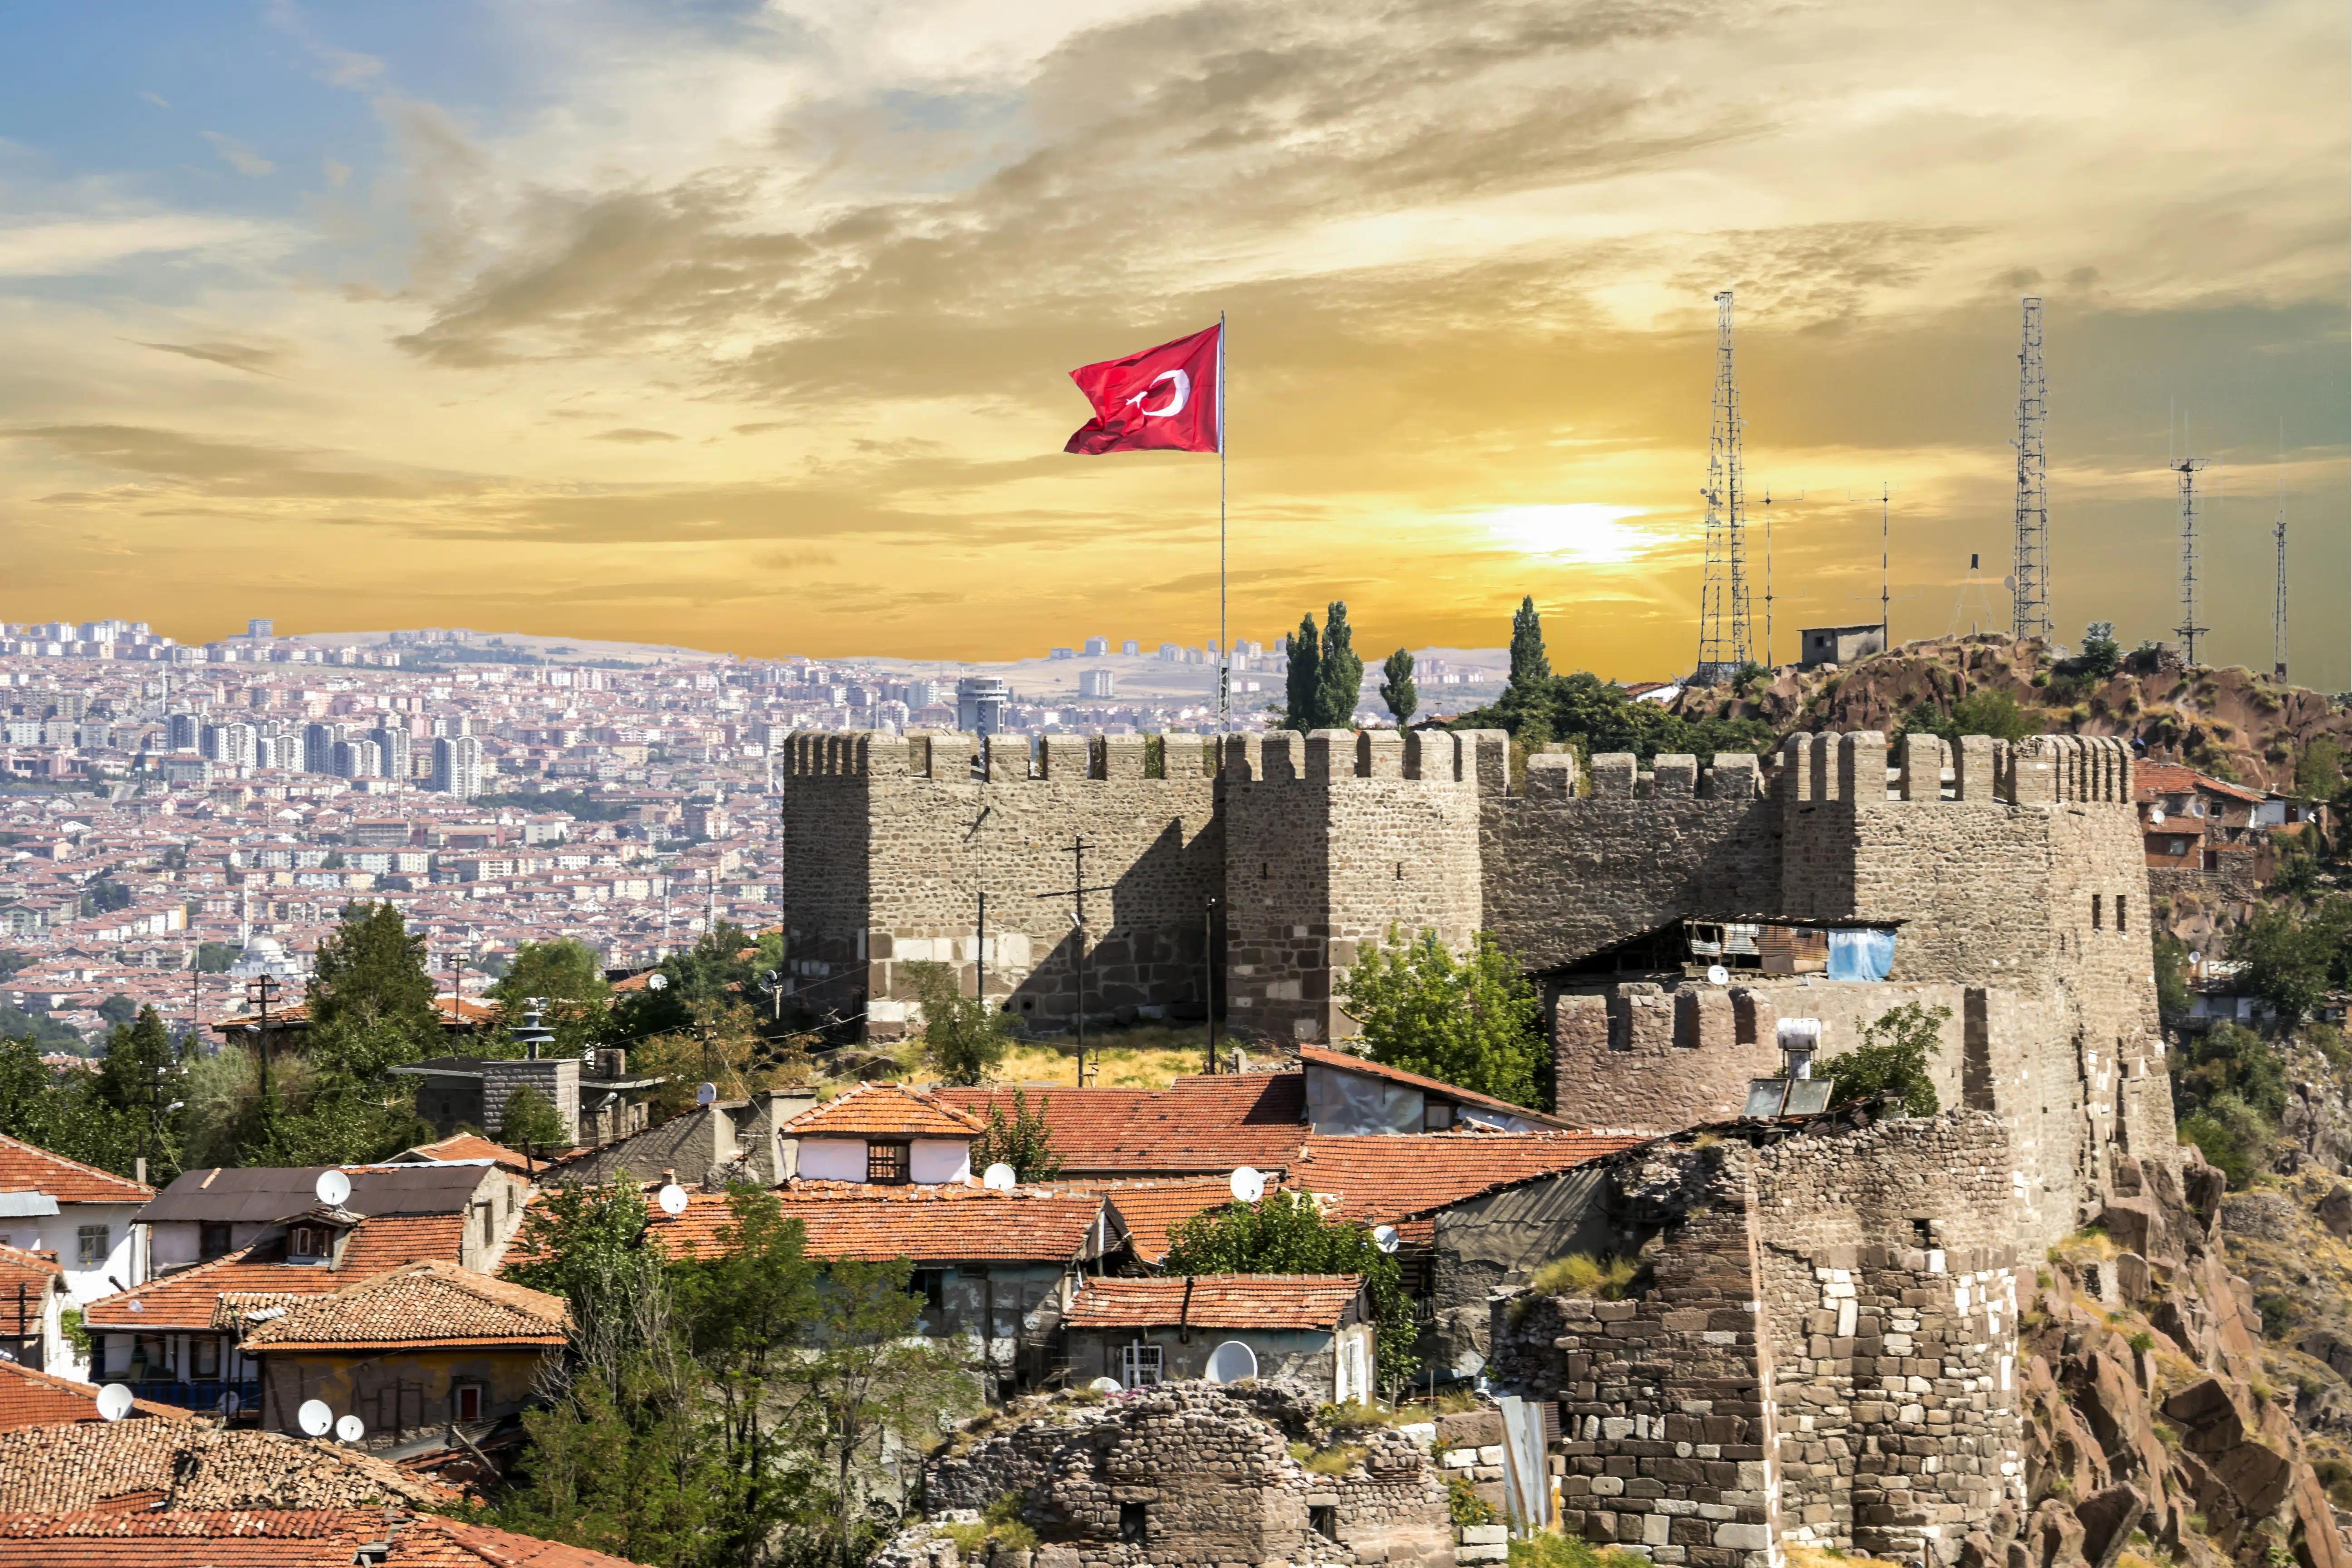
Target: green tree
1470	1021
2102	654
964	1036
719	968
2288	961
2319	769
1893	1058
1397	690
567	979
2172	995
1023	1141
1288	1233
1531	665
64	1116
117	1009
13	959
1303	686
369	975
1340	676
530	1123
215	957
136	1082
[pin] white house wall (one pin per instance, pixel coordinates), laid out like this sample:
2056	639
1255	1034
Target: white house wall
944	1160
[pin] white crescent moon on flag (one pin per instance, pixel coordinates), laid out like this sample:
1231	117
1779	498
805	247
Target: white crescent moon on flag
1181	395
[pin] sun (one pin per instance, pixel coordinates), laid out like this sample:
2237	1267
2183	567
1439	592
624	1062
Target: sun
1591	533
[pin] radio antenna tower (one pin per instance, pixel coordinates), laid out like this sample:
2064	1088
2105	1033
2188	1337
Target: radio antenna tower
2278	534
2188	631
1724	643
2029	584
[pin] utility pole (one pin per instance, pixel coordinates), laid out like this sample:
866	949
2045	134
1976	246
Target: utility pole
2029	583
1885	637
1211	971
1724	643
1077	851
2188	631
980	953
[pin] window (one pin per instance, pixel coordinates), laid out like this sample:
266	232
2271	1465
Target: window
931	1285
2119	911
97	1241
1139	1365
2178	846
212	1241
310	1241
203	1356
1436	1116
468	1397
1324	1520
2096	923
885	1163
1131	1523
1923	1233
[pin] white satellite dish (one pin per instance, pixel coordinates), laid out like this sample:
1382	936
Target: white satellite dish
2195	957
705	1093
314	1417
334	1189
657	982
1384	1237
1104	1385
114	1402
1718	975
1231	1361
1246	1185
2156	814
999	1178
351	1430
673	1200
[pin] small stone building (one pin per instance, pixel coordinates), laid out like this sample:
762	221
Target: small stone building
1188	1474
1314	1329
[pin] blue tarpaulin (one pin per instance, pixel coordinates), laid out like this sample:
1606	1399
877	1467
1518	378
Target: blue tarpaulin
1861	954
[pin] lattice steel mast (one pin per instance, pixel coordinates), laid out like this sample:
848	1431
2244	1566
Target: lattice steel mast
2029	583
2278	608
1724	642
2188	631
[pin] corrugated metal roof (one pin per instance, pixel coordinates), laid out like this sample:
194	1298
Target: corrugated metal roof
262	1194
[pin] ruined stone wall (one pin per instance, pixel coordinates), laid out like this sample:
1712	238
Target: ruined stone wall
1569	874
1194	1476
891	840
1890	1292
1334	839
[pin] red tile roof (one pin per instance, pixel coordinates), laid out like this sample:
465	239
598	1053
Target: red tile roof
256	1276
29	1398
1151	1210
928	1224
2150	779
1401	1181
432	1303
1346	1062
1216	1301
882	1110
1195	1126
272	1537
25	1168
194	1463
474	1146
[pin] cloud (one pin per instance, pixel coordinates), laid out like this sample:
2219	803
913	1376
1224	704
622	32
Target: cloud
633	437
155	98
338	174
237	356
65	247
203	465
240	157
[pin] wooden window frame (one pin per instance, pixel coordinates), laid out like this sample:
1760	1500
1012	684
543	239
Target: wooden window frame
890	1163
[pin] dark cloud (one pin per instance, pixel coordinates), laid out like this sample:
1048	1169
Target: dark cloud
249	357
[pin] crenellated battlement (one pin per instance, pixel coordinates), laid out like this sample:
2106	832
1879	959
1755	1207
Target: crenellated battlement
957	758
2042	770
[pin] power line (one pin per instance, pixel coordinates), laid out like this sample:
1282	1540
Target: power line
1723	640
2029	584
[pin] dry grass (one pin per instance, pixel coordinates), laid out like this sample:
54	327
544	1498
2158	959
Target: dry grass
1581	1274
1801	1556
1148	1056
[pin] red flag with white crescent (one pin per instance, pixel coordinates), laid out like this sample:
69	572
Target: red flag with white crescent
1161	400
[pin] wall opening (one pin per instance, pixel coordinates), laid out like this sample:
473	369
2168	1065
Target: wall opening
1131	1523
2096	923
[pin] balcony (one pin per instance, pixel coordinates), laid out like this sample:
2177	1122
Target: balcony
210	1395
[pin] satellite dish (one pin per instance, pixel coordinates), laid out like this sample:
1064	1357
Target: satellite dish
2196	958
705	1093
135	1306
999	1178
1104	1385
1384	1237
1231	1361
2010	584
114	1402
350	1429
314	1417
2156	814
673	1200
1247	1185
334	1189
657	982
1718	975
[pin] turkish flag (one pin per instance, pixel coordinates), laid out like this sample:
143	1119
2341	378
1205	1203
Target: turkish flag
1161	400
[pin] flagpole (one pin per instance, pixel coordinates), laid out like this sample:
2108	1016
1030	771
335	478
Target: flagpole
1224	639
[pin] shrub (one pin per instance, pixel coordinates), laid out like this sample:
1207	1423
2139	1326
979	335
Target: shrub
1548	1550
1893	1058
2143	1343
1463	1505
1335	1460
1581	1274
2278	1316
2229	1136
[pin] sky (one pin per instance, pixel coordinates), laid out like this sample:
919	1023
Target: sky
749	327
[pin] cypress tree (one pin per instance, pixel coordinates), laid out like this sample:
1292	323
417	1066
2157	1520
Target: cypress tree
1398	690
1305	669
1530	665
1342	676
